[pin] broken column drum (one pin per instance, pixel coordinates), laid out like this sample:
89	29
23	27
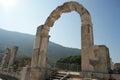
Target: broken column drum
13	56
6	58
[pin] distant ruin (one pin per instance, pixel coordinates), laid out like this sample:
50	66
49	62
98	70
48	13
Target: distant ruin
9	58
5	59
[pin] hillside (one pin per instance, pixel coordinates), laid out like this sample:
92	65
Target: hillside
26	41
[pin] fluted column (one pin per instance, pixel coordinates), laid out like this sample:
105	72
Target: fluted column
39	62
12	57
36	49
43	47
6	57
42	63
40	46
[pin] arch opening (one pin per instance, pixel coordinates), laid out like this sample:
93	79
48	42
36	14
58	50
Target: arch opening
87	43
63	29
62	34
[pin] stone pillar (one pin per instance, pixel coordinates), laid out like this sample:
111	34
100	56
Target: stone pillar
35	73
25	73
42	63
87	45
43	47
36	49
12	57
6	57
39	63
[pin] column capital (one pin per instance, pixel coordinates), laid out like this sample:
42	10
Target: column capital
42	31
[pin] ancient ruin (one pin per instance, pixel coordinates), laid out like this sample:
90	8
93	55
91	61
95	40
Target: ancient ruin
12	57
6	57
95	58
90	54
7	66
102	54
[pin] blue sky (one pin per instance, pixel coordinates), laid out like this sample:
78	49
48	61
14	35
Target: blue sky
25	15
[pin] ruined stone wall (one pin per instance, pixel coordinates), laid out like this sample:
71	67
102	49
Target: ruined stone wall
102	54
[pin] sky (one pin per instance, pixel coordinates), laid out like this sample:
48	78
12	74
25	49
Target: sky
25	15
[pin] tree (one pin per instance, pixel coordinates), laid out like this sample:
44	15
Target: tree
72	63
76	59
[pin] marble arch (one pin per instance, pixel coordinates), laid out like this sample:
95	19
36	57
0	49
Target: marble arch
42	36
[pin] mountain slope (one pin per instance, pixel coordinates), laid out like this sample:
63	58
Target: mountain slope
26	41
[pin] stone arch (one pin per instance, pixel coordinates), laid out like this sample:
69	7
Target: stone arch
42	36
68	7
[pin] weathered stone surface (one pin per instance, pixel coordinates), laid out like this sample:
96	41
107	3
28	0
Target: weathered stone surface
40	47
39	59
37	73
25	73
87	45
35	57
68	7
12	56
6	58
101	52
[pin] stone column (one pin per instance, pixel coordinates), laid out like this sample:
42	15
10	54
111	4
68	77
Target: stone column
25	73
36	49
42	63
39	63
12	57
6	58
87	46
43	47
